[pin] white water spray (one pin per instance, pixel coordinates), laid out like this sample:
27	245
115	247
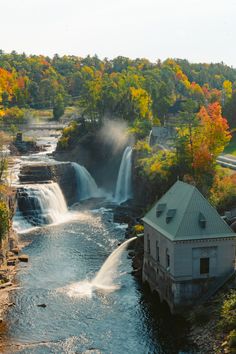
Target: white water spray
150	138
41	204
124	182
104	280
86	185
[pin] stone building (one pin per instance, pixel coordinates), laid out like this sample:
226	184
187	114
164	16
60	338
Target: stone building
189	251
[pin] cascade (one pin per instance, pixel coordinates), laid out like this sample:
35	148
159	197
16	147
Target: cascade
41	204
104	280
124	184
86	185
150	138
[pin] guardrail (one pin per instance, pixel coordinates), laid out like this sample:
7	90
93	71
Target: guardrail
227	162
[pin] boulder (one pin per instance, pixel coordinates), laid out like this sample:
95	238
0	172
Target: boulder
23	258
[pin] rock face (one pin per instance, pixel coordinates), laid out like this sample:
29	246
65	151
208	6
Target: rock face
100	157
62	173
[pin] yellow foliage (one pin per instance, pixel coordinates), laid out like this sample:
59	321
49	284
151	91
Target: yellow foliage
228	89
138	229
142	101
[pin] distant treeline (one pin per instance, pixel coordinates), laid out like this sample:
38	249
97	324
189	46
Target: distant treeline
129	89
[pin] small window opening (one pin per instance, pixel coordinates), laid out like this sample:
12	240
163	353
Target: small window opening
170	215
204	265
202	221
160	209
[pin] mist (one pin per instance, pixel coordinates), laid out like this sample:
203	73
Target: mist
115	134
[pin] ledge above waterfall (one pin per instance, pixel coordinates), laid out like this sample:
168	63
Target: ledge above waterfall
62	173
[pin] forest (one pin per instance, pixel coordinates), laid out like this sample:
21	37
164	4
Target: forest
198	100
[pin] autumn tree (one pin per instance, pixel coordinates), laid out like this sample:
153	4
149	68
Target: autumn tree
58	107
209	140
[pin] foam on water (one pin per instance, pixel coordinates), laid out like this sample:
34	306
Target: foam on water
105	278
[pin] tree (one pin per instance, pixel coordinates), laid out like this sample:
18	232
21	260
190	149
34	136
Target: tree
58	107
227	90
229	110
209	140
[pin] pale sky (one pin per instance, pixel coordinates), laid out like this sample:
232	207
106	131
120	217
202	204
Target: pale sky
197	30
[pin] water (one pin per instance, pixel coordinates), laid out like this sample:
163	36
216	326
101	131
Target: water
108	272
86	185
41	204
93	303
124	181
119	321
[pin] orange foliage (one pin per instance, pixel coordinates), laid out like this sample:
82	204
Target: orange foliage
208	140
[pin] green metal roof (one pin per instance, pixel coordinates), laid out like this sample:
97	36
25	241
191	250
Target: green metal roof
187	215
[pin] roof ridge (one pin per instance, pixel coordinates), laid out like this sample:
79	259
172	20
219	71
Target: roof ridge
185	209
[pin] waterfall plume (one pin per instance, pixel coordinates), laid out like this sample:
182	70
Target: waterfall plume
124	181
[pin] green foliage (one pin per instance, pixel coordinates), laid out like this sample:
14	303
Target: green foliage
4	219
222	194
232	339
228	313
13	115
140	128
69	134
3	166
231	146
124	88
229	110
159	165
58	107
142	147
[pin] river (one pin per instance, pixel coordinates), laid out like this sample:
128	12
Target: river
74	317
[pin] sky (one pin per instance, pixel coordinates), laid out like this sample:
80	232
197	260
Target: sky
197	30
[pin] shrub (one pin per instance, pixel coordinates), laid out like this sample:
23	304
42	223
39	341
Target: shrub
232	339
138	229
142	147
228	313
13	114
223	191
4	219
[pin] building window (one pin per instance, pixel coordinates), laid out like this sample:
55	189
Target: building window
167	260
157	251
204	265
148	244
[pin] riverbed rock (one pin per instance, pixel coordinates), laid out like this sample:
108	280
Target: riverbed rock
15	250
23	258
11	261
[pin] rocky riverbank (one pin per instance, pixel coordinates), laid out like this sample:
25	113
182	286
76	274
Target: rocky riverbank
8	271
208	331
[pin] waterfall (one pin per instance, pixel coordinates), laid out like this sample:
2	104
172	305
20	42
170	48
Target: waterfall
124	182
104	280
150	138
41	204
86	185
